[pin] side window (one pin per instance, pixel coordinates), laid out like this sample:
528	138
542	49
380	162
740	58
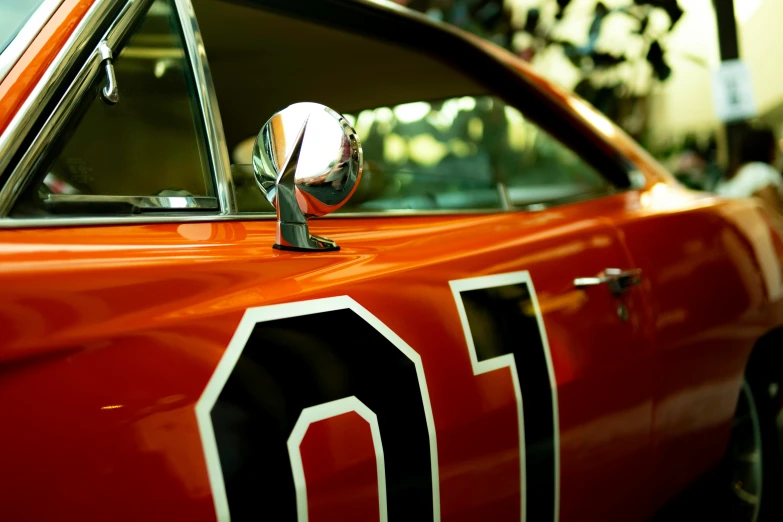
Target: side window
462	153
427	155
151	143
434	138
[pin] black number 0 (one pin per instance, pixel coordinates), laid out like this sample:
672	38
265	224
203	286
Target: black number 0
286	359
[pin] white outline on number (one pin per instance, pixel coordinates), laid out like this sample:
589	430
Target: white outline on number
325	411
508	361
229	359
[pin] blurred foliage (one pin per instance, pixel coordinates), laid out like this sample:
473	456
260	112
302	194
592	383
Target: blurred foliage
528	27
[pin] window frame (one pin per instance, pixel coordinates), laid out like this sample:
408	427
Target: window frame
53	122
502	187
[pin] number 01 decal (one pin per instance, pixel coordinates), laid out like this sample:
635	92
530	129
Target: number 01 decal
303	368
504	329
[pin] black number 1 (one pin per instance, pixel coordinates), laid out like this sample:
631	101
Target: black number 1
287	361
504	329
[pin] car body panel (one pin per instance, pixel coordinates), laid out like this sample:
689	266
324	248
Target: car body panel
81	298
714	273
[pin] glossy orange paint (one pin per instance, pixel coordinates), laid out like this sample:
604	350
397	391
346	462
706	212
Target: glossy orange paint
341	475
713	270
111	333
28	70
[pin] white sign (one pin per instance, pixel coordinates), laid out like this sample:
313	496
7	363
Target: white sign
732	91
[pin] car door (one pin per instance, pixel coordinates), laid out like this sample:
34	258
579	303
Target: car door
704	332
174	366
113	348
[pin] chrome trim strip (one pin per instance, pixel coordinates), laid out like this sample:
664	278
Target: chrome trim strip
18	177
31	109
50	222
505	200
418	213
142	202
221	165
11	54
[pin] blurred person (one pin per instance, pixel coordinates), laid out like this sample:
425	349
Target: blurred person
755	174
697	166
690	169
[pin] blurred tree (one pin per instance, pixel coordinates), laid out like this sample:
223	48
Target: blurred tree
617	80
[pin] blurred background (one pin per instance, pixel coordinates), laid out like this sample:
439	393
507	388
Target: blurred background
683	77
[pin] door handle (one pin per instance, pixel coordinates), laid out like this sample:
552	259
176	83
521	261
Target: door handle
616	279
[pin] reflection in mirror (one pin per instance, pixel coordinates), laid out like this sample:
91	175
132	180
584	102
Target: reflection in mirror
307	161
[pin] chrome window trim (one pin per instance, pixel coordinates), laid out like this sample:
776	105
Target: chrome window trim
270	216
140	202
11	54
20	125
109	220
213	218
219	159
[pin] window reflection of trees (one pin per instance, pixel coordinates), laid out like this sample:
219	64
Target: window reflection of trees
453	153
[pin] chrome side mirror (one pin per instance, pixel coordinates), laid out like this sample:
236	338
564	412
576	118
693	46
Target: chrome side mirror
307	161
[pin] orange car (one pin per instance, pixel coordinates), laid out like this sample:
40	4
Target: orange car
512	313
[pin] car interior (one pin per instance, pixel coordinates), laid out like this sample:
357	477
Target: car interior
150	143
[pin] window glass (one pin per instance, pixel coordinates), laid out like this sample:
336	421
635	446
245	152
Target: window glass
462	153
537	168
434	138
425	155
151	143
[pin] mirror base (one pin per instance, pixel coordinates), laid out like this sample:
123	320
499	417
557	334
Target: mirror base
334	248
297	238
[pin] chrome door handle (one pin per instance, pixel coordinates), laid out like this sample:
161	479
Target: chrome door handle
618	280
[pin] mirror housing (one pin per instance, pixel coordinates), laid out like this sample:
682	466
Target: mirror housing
307	161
